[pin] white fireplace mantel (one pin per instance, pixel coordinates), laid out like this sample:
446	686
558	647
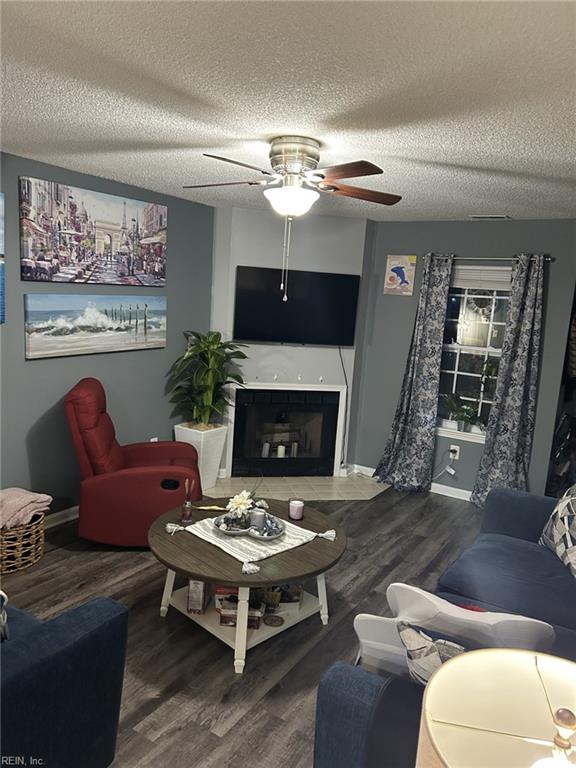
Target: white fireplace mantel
299	387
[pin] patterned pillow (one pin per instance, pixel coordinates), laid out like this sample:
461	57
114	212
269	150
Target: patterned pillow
424	654
559	533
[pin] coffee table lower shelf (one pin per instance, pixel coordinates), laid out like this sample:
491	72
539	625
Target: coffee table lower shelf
240	638
210	620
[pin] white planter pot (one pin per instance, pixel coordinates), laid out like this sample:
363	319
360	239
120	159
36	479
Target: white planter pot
448	423
210	445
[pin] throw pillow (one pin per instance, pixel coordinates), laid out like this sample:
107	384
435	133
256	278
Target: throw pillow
559	533
424	654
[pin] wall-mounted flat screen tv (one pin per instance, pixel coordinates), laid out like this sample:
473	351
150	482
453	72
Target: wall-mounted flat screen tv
321	307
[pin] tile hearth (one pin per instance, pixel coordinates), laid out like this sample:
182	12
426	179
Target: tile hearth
353	487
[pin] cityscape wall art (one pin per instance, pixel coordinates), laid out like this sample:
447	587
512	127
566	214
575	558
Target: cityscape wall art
60	325
72	235
2	276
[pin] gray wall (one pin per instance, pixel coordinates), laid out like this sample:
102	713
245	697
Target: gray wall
382	350
250	237
364	320
36	448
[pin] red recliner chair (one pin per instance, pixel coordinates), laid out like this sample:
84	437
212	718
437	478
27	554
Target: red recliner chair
124	488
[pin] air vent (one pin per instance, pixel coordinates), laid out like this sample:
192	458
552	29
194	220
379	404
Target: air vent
489	216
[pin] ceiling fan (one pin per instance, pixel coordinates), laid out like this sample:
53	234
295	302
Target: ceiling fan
295	182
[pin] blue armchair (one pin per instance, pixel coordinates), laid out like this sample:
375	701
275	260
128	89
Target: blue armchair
366	721
62	685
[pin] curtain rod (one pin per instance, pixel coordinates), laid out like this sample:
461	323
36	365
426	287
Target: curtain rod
487	258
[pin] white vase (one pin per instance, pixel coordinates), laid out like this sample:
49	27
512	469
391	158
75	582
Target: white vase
210	445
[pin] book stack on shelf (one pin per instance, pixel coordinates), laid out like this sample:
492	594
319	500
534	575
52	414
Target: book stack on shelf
226	604
283	599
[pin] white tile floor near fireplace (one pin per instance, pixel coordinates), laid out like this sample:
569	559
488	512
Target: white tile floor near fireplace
307	488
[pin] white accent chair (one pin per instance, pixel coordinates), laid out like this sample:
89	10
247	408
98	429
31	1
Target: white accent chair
381	649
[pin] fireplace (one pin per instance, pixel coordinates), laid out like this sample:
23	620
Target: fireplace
285	432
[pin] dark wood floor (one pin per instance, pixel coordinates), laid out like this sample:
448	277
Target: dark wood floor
183	706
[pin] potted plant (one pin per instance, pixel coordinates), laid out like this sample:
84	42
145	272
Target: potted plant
465	414
197	381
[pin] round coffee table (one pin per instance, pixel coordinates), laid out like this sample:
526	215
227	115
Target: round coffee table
197	559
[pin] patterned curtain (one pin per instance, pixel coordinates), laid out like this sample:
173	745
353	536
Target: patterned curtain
510	428
407	460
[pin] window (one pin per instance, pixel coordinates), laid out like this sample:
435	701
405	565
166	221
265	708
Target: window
473	337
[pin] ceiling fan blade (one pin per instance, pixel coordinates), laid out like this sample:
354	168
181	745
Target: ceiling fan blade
237	162
371	195
225	184
349	170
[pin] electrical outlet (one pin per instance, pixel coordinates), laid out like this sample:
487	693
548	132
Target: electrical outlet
455	452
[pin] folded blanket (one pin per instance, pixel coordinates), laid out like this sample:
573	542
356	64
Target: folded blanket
18	506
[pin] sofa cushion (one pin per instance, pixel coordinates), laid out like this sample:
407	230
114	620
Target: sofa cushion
514	575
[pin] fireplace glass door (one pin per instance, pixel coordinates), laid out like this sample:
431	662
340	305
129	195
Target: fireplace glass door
282	432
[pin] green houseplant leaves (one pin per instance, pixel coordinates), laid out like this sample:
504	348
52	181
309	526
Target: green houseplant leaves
465	413
197	379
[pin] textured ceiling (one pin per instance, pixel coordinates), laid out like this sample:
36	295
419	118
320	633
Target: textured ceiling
469	107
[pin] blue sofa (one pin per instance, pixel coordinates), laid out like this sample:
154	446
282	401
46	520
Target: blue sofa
62	684
367	721
506	569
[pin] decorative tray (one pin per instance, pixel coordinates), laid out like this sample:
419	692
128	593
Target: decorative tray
272	527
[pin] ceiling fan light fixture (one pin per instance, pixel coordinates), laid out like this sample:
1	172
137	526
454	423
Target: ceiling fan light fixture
295	181
291	199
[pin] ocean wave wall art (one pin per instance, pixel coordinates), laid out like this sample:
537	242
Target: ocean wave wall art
60	325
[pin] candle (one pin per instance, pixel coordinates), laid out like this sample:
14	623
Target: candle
186	517
257	518
296	509
281	453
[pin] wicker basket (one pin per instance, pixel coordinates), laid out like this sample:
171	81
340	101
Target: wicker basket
23	545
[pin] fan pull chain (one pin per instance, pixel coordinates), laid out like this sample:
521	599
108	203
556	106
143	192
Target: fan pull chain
284	247
287	256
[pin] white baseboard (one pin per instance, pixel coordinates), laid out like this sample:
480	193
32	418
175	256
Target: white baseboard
362	470
58	518
448	490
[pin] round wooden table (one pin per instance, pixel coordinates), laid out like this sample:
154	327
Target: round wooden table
197	559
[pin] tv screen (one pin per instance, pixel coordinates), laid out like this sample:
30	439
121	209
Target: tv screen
321	307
